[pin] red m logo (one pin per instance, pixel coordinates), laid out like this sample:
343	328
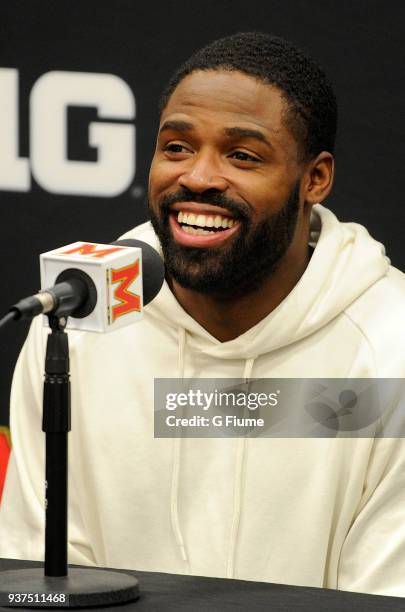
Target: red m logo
128	301
91	249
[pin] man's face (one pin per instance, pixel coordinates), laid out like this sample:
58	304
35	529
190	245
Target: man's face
224	183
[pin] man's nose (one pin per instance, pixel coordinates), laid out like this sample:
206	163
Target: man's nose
203	173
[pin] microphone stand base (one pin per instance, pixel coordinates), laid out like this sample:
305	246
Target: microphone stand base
81	588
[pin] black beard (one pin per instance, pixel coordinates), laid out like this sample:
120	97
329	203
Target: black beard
234	269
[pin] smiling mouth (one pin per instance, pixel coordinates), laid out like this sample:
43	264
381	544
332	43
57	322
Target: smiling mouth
202	229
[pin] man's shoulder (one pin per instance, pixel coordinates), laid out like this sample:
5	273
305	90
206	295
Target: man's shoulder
379	314
384	297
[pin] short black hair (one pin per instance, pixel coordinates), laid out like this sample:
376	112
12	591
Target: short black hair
312	110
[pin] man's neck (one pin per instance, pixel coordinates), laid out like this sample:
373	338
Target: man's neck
227	318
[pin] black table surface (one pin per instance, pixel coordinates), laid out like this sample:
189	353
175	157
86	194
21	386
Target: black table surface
178	593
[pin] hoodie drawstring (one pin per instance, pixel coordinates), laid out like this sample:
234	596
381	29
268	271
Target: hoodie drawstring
174	493
239	480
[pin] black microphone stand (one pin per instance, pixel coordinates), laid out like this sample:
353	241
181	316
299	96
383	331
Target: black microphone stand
58	585
56	425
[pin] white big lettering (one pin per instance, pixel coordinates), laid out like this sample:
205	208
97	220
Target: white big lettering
115	143
14	171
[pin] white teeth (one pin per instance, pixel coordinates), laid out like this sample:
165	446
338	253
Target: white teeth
205	220
217	221
196	232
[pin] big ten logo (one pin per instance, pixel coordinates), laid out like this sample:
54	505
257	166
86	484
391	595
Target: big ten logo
52	95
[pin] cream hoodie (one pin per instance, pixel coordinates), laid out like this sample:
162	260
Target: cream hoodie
317	512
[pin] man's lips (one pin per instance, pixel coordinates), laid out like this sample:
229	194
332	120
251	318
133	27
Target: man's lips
205	241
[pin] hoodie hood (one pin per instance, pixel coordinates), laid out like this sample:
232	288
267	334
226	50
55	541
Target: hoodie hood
345	263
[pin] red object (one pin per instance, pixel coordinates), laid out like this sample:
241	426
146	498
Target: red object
4	455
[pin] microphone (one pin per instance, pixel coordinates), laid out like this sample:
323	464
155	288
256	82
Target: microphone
99	287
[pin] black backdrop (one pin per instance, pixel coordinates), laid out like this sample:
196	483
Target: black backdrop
359	43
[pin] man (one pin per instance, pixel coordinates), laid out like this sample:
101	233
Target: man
262	281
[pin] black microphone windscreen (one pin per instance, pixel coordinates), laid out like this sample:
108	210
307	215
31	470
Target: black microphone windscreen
153	269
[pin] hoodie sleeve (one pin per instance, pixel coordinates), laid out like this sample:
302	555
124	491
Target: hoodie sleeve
373	555
22	513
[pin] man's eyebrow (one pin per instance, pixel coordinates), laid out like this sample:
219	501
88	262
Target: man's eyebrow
232	132
240	132
177	126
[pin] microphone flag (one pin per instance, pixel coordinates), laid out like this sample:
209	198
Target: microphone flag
116	272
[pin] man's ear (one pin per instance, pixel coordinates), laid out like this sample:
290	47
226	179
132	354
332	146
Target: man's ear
318	178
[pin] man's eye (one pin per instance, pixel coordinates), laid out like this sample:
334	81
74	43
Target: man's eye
175	148
242	156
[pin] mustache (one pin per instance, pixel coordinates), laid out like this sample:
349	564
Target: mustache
210	196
